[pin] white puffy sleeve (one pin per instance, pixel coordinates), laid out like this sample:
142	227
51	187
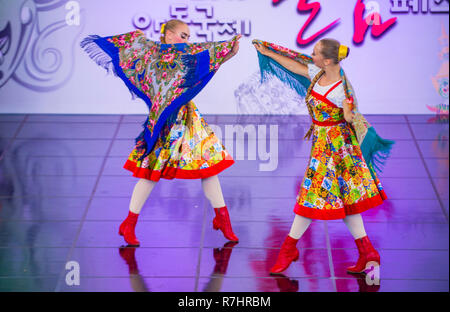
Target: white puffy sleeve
313	70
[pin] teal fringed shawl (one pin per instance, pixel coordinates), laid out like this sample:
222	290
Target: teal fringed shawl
270	67
375	149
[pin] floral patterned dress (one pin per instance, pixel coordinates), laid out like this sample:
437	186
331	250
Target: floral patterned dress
176	141
338	181
188	149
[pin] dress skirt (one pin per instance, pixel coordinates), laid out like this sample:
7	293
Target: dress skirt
337	181
185	149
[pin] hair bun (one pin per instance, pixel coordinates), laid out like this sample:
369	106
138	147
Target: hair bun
344	51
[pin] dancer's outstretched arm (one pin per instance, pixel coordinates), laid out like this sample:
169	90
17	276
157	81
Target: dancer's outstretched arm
288	63
234	51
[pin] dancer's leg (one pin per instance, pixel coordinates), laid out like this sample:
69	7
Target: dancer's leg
213	191
355	225
299	226
367	252
289	251
141	192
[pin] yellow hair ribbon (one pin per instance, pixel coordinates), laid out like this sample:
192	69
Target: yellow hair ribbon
343	51
163	28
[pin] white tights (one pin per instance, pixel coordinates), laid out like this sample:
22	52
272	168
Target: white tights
143	188
353	222
213	191
355	225
141	192
299	226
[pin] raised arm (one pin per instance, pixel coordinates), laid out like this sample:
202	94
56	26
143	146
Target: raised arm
234	51
288	63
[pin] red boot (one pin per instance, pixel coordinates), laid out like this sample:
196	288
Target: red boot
366	254
126	229
288	253
222	222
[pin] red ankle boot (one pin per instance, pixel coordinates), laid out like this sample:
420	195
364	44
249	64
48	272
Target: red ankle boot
366	254
126	229
222	222
288	253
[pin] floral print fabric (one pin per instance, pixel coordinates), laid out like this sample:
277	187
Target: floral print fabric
338	181
185	149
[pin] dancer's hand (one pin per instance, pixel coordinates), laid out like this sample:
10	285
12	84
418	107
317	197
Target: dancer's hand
285	61
235	49
262	49
349	115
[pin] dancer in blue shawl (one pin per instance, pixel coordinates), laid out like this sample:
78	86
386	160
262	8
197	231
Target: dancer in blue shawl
176	141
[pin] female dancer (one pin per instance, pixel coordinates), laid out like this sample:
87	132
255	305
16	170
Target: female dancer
340	181
176	141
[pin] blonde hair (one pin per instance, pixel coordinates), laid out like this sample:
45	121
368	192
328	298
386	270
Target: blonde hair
170	25
331	48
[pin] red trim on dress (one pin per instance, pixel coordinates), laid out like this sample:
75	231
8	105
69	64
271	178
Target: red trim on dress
327	123
334	214
323	99
170	173
332	88
327	101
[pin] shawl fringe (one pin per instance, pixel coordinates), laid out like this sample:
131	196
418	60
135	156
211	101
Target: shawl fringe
90	45
271	68
97	54
197	67
375	149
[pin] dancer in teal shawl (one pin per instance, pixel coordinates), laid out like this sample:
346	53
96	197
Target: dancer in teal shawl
340	181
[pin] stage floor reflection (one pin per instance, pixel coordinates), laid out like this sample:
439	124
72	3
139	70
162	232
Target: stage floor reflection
63	194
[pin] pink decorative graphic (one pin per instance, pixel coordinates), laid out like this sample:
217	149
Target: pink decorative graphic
361	24
314	7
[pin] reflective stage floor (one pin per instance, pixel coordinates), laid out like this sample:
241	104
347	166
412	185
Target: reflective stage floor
63	194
